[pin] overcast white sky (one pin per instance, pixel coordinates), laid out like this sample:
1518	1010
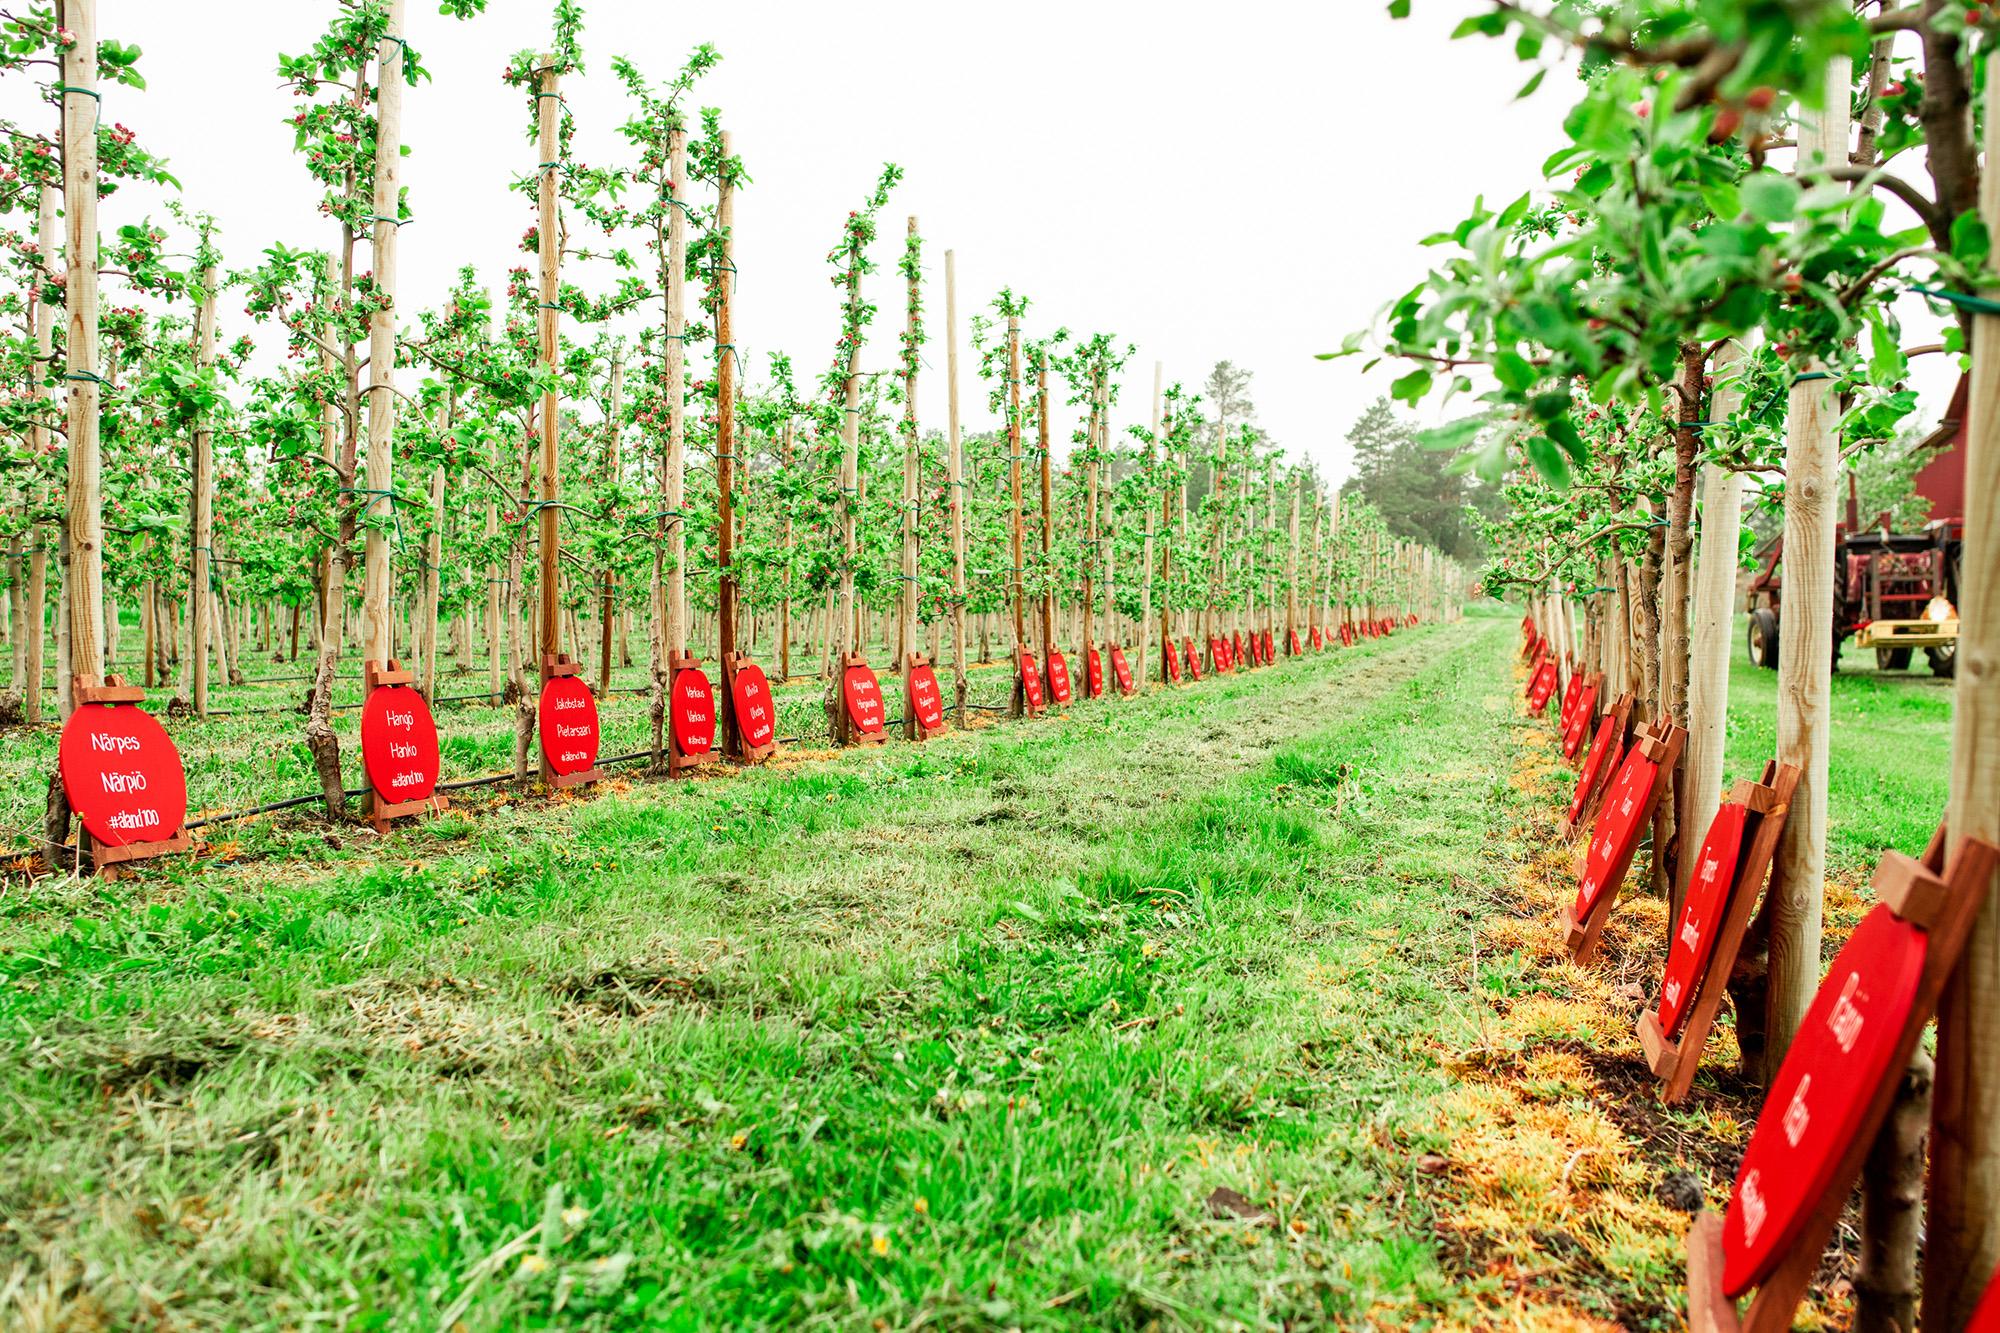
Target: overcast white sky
1243	181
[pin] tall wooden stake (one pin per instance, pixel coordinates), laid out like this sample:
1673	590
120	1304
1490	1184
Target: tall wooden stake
548	115
1805	645
955	487
377	576
1963	1229
201	495
1014	476
85	579
1048	598
724	281
1714	624
906	619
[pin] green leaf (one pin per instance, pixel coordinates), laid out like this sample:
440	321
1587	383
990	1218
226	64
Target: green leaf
1399	9
1549	461
1412	387
1770	197
1971	243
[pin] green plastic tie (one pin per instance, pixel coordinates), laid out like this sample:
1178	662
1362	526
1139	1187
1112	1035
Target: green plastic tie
66	88
1978	305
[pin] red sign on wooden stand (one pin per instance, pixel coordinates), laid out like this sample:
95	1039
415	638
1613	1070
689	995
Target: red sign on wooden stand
1218	654
1318	639
1835	1088
1121	669
1571	693
693	712
1347	635
1543	686
1701	914
1192	658
1606	752
1628	807
122	775
863	694
1236	649
1031	680
756	713
1579	720
399	744
1058	677
1840	1057
566	719
925	697
1093	673
1270	649
1171	661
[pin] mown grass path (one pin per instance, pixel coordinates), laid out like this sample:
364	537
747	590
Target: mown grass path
968	1035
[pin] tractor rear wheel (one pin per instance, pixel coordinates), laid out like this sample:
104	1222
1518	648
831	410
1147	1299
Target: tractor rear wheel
1892	659
1944	661
1763	638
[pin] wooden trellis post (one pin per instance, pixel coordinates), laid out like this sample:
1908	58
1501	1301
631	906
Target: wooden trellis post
1292	643
85	554
1805	642
1962	1230
1048	597
723	283
955	488
613	473
907	608
1093	435
378	575
548	113
671	636
1020	704
201	496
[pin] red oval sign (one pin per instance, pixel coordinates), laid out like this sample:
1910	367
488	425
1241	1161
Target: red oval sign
1218	654
1701	915
926	699
122	774
1031	679
1172	661
756	714
1058	677
1842	1053
1617	832
1318	639
567	718
1093	672
1236	647
399	744
1571	693
1593	764
1121	669
693	712
1193	659
1270	649
1579	722
1545	685
864	699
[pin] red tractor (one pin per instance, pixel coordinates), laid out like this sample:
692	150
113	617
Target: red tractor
1893	592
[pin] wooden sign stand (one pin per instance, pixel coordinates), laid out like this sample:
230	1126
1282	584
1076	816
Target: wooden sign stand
1675	1062
103	856
735	745
1945	909
679	762
1663	747
1124	691
1621	722
380	812
562	664
849	735
916	730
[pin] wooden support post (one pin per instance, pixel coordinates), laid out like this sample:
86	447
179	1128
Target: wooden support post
1048	598
670	564
614	473
1805	632
84	580
1014	476
377	588
549	113
955	488
907	606
1962	1232
722	282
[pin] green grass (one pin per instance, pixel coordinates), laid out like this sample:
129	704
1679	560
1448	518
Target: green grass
963	1035
959	1035
1889	761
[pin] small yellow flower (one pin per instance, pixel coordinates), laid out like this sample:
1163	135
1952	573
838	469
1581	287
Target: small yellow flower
880	1245
531	1264
923	1206
737	1140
